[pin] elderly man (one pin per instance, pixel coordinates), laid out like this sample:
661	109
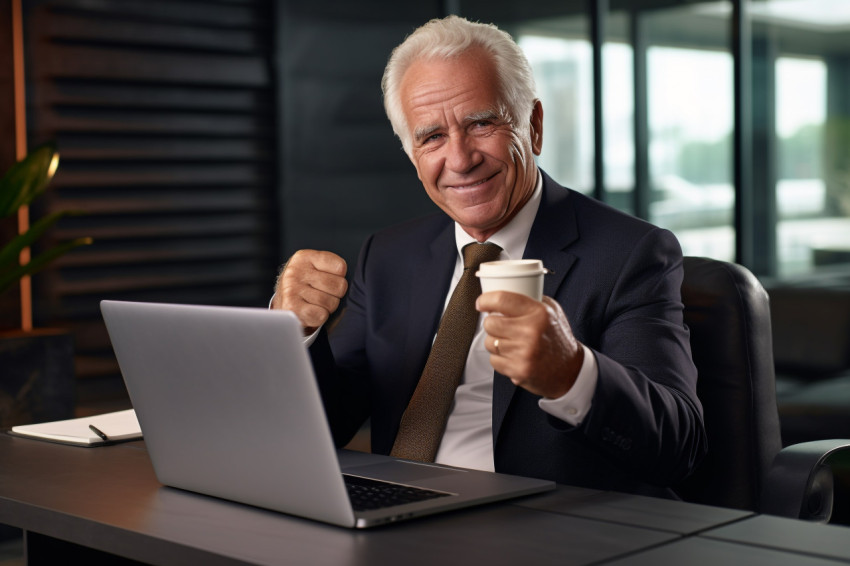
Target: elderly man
592	386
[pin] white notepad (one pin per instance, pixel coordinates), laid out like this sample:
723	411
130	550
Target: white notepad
116	427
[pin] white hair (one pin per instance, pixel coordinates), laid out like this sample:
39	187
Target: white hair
449	38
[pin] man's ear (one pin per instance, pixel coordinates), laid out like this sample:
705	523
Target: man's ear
537	127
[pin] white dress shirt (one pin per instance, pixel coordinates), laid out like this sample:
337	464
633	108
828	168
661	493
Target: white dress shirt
468	439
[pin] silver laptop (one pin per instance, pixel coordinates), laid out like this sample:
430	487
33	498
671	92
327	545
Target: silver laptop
229	407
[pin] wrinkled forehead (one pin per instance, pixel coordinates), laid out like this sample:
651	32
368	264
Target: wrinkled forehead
458	86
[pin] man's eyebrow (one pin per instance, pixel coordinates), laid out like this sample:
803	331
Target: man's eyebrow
483	116
424	132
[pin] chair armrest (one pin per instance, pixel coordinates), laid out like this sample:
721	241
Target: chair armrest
800	483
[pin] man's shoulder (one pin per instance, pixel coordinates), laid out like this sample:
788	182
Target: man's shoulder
589	211
586	225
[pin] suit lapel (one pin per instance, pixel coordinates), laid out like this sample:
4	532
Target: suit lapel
429	284
553	231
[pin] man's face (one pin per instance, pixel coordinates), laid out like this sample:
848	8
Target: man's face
473	164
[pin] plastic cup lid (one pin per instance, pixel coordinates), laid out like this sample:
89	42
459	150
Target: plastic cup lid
511	268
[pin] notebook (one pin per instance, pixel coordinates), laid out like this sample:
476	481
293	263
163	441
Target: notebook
229	407
122	426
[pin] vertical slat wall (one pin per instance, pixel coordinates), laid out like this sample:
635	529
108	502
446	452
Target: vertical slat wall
163	112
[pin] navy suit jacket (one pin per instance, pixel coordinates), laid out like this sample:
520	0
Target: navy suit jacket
618	280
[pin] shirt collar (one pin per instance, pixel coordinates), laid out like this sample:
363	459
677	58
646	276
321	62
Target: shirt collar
513	237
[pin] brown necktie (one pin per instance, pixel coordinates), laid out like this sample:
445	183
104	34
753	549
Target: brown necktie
424	420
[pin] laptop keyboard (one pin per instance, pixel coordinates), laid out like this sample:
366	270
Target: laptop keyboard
367	494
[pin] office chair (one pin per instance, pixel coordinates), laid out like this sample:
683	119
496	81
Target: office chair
728	313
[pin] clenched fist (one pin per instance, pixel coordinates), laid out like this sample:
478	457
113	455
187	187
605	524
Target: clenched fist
311	284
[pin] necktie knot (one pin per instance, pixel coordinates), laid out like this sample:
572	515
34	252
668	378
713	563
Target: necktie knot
475	254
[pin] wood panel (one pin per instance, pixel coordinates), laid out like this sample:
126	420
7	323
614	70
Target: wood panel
10	301
164	115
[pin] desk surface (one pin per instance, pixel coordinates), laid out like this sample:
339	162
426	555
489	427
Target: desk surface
108	499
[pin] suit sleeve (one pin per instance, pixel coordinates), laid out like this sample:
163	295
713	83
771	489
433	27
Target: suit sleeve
342	368
645	411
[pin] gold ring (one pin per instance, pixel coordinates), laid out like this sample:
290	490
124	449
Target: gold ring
496	345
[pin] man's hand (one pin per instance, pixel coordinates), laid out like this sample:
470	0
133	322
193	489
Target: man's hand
536	347
311	284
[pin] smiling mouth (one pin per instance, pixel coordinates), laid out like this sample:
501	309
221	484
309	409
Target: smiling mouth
471	185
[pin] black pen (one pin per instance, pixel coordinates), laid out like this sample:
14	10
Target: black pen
99	432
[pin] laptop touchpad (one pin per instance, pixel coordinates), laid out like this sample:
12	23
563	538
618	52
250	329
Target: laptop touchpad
399	471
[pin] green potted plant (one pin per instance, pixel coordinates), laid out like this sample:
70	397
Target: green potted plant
36	366
24	181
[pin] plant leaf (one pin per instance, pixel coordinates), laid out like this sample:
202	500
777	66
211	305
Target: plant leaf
27	179
10	252
9	278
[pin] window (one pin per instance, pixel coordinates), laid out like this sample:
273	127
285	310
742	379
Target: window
562	72
806	224
690	153
668	108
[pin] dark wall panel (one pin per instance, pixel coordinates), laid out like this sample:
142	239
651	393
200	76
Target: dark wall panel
164	115
344	173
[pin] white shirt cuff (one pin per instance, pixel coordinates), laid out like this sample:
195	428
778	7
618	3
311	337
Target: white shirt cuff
308	340
574	405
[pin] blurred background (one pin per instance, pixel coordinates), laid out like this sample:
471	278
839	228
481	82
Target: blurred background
204	141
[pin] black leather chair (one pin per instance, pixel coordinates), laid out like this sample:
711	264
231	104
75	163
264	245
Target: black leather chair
728	313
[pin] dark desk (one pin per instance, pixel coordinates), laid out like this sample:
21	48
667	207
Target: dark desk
89	501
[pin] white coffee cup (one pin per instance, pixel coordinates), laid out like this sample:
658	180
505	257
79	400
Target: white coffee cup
524	276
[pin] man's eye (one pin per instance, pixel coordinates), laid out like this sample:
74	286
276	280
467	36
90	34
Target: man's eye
482	125
432	137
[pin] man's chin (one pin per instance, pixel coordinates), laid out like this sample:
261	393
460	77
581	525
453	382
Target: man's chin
481	228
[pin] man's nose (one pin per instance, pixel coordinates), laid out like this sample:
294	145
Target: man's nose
463	155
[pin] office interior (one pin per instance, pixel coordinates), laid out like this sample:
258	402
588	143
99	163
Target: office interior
201	142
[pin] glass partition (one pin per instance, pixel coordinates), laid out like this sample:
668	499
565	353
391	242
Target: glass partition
618	113
560	54
668	110
810	41
690	108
